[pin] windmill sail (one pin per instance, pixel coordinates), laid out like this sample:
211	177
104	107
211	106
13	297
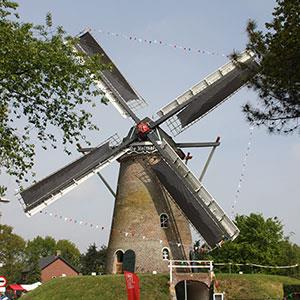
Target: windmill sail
51	188
186	109
193	199
113	83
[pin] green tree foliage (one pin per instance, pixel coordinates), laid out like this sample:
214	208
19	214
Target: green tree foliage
44	84
35	249
32	271
261	241
258	242
40	247
11	254
17	256
278	80
93	260
69	251
289	255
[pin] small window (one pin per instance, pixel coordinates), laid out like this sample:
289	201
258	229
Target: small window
165	254
164	221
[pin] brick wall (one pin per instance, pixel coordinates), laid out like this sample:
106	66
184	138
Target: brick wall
140	201
56	269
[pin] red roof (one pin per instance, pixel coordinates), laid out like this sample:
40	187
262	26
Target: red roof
16	287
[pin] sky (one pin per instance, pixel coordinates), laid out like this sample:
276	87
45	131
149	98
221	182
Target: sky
160	73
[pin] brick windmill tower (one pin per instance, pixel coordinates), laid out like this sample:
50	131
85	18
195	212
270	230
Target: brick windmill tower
158	197
146	221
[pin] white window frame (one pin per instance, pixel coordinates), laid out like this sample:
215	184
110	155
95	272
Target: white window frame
163	222
163	255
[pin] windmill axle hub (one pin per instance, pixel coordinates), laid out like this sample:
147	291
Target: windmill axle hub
143	128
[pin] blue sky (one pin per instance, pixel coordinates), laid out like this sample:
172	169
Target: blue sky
269	185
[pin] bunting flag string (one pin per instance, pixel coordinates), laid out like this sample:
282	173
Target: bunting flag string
101	228
242	175
158	42
72	220
258	266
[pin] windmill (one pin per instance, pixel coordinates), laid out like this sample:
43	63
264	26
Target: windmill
153	177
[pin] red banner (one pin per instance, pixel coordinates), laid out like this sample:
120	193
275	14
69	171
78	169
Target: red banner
132	285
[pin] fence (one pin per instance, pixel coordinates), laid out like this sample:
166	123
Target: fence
189	266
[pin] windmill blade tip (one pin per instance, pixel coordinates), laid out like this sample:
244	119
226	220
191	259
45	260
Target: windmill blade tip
28	214
83	31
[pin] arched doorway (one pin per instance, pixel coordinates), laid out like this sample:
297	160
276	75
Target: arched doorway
118	262
129	261
192	290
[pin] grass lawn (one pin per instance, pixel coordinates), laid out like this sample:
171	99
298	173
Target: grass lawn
104	287
253	286
156	287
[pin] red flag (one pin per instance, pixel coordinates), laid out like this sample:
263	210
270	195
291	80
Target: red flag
136	287
132	285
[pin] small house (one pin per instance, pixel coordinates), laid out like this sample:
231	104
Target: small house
56	266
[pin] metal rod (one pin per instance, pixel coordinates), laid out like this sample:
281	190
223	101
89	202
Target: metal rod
209	159
82	150
199	145
106	184
171	271
185	291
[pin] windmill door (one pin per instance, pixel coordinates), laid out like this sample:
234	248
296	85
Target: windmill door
129	261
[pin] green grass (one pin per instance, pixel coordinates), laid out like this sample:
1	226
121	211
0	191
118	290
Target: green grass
104	287
253	286
155	287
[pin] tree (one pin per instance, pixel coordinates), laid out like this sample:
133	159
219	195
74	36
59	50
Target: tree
93	260
11	254
278	79
260	241
44	84
40	247
17	256
69	251
32	271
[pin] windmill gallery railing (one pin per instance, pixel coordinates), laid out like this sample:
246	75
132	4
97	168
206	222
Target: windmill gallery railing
189	266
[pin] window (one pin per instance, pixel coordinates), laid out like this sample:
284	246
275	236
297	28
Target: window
165	254
164	221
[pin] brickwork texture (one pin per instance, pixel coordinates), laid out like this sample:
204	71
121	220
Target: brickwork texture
136	224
